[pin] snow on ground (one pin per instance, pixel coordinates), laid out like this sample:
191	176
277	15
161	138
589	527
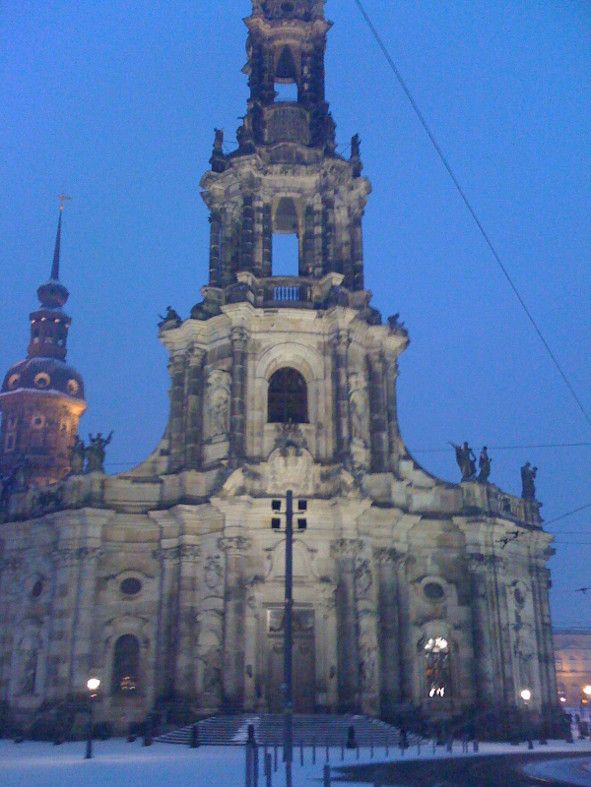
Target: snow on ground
120	764
571	771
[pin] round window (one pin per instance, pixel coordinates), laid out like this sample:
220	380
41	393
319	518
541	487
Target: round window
42	380
73	387
37	588
433	591
13	380
37	422
131	586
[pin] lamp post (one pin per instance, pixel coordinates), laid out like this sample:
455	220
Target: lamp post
92	684
276	507
587	700
525	695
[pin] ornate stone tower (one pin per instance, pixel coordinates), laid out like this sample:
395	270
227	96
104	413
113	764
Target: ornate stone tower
42	397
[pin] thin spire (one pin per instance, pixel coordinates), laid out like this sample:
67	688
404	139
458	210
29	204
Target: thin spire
55	268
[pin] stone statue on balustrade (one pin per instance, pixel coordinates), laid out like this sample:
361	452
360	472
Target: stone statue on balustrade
484	463
466	461
528	478
95	452
171	319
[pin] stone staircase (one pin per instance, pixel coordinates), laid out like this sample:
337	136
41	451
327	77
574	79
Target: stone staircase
321	729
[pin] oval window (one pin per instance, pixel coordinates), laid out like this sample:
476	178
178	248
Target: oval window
37	588
433	591
13	380
131	586
42	380
38	422
73	387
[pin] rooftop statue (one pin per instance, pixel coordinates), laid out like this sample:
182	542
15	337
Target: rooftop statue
466	461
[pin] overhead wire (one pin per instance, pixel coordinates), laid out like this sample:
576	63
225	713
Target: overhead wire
469	206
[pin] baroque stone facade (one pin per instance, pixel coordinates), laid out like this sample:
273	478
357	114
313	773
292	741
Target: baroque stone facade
167	581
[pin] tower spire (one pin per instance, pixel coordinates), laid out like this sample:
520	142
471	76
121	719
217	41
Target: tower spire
55	268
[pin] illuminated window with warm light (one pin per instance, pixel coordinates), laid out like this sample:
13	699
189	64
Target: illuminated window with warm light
437	671
126	663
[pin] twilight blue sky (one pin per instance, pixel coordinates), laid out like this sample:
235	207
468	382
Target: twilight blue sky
115	101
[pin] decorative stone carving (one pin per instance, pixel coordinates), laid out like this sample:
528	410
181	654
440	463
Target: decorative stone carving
291	468
213	571
363	578
218	402
234	544
346	548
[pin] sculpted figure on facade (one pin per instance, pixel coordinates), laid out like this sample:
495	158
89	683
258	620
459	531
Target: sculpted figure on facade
96	453
466	461
213	572
218	407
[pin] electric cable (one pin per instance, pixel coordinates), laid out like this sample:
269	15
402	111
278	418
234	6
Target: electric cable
468	204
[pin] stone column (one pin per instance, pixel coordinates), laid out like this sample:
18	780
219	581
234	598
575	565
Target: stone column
238	405
176	368
344	551
503	633
406	649
186	651
377	408
328	234
235	548
194	417
254	630
366	614
60	650
308	242
486	655
83	655
318	269
215	247
391	374
258	239
267	240
247	233
357	252
340	394
228	248
10	579
388	604
327	649
165	646
540	576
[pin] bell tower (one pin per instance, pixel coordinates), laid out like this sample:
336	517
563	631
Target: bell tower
286	175
42	397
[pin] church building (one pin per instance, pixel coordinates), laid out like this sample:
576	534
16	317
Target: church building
411	594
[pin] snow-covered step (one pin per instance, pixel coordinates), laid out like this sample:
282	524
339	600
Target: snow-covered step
322	729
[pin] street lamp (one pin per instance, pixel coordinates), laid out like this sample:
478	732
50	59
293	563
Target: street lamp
92	684
525	695
276	508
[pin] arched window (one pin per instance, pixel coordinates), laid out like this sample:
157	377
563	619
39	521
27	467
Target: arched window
437	671
126	664
288	398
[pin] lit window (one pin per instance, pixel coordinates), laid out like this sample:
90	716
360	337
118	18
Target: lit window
126	662
437	671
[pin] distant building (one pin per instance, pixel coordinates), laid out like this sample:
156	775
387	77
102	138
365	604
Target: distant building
572	648
412	594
